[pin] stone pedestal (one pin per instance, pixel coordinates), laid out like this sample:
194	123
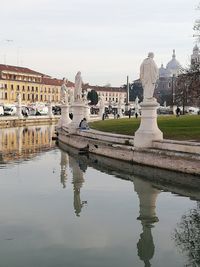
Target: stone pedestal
64	119
79	110
148	130
87	112
50	113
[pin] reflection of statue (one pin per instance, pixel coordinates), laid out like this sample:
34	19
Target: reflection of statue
78	87
147	198
63	164
145	245
78	181
148	76
64	92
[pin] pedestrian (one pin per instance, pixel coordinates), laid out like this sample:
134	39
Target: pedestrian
129	113
136	115
178	112
84	125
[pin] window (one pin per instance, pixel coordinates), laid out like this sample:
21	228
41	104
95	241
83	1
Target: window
17	87
28	88
28	97
32	88
12	86
23	97
6	95
23	88
36	89
5	86
41	98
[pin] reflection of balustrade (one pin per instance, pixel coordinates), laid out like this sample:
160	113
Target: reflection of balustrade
21	142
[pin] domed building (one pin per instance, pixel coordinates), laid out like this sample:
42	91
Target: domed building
173	66
166	80
195	57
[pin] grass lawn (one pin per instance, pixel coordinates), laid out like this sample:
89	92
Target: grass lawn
185	127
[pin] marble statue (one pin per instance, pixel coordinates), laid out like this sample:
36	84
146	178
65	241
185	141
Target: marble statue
64	92
148	76
19	99
136	101
78	87
85	96
101	102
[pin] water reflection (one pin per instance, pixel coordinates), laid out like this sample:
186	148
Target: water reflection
147	191
78	168
147	198
22	143
120	226
187	235
147	195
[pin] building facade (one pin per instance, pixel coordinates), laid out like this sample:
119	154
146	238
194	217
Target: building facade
38	87
32	85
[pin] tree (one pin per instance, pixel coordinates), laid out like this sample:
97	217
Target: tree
135	89
92	96
187	86
187	236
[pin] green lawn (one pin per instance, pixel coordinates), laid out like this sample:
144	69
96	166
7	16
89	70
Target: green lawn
185	127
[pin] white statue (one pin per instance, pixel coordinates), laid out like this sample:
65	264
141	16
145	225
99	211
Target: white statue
101	102
71	96
78	87
148	76
136	101
85	96
64	92
19	99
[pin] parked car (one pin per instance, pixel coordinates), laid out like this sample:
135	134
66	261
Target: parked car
56	110
10	110
1	111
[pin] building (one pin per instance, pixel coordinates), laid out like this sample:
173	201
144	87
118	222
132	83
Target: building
164	91
32	85
38	87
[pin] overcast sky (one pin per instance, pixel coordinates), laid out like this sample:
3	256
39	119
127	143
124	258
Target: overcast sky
105	39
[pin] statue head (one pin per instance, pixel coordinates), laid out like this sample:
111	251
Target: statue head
150	54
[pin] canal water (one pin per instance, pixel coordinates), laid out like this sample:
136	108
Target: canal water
59	208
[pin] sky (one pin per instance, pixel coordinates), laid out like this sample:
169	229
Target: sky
104	39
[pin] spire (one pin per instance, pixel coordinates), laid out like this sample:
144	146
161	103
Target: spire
174	55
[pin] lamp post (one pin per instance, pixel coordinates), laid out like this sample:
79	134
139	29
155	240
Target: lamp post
173	93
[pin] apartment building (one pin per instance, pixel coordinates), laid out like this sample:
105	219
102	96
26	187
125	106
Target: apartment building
32	85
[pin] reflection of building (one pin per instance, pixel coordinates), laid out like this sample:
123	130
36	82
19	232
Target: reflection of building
24	142
147	197
77	172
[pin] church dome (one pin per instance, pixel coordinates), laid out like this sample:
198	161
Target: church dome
196	49
163	72
173	65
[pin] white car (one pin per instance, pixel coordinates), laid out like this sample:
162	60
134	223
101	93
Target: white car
1	111
10	110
